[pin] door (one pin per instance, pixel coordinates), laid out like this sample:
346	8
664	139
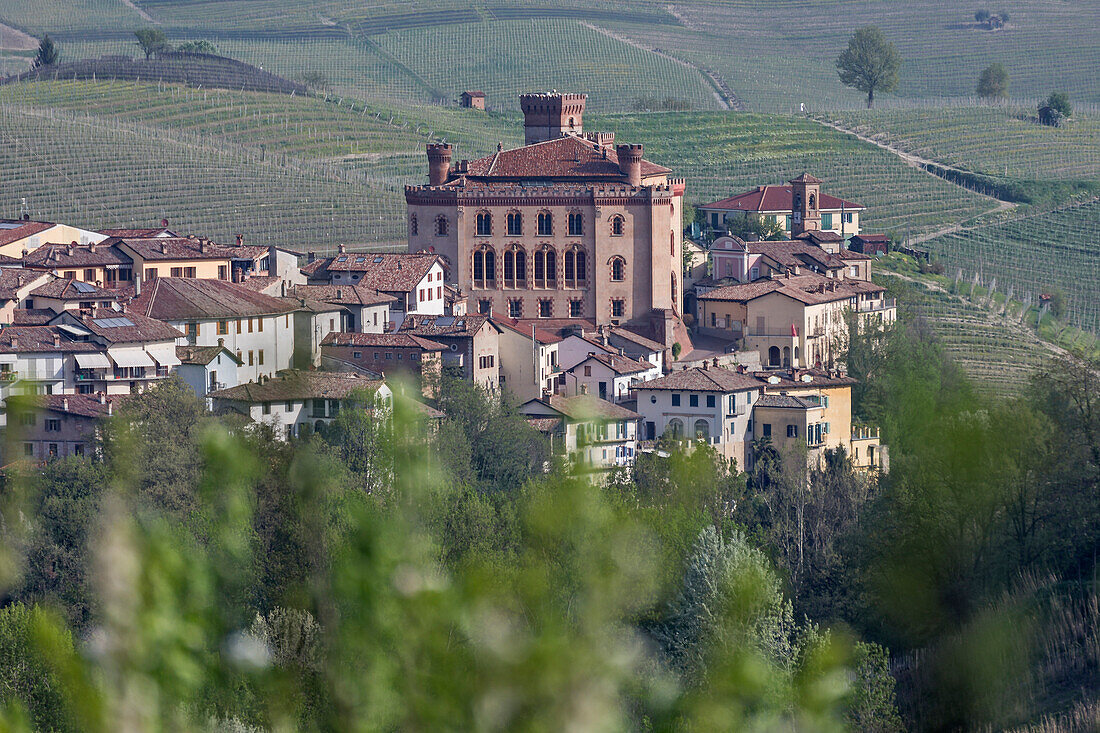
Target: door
603	390
650	430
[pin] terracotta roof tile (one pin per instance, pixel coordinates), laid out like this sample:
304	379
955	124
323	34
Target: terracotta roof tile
40	339
181	299
589	407
620	364
394	340
13	278
386	272
15	229
203	355
125	327
342	294
299	385
32	316
786	402
566	158
713	379
776	199
66	256
467	325
70	289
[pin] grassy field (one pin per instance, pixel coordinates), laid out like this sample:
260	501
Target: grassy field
1035	253
993	140
96	173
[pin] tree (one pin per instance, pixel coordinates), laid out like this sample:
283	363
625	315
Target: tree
760	227
1059	102
152	41
993	82
27	678
870	63
198	47
48	53
983	16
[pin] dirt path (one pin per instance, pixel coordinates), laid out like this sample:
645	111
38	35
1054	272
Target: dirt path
144	16
914	161
16	40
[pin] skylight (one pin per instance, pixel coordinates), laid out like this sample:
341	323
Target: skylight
112	322
82	287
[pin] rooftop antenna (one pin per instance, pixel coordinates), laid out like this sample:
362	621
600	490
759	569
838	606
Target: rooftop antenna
23	211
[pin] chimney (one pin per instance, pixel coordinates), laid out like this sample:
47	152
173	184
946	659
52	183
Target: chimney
221	342
284	289
203	245
65	404
137	284
716	362
102	398
57	339
439	163
15	342
706	365
91	247
110	408
342	249
164	247
740	368
71	248
630	163
311	257
26	217
240	240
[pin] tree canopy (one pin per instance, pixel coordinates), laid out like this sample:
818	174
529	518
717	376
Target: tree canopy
993	82
870	63
152	41
48	53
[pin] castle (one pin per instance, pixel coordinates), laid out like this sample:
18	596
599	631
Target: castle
569	226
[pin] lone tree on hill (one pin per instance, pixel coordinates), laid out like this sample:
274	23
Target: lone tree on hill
198	47
152	41
1059	102
48	53
992	21
993	83
870	63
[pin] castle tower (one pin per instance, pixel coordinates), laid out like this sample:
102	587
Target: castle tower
805	204
630	163
439	163
550	116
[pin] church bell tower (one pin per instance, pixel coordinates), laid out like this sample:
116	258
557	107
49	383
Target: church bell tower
805	204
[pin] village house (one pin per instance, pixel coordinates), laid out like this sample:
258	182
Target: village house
296	403
472	341
567	226
709	404
528	357
611	377
139	350
16	285
100	264
258	329
798	320
472	100
41	360
576	345
787	206
415	281
46	427
595	434
789	422
207	369
67	294
18	236
362	309
388	354
870	244
734	259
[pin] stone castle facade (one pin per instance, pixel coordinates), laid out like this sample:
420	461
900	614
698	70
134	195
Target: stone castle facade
569	226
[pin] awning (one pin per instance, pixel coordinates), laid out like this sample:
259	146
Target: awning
93	361
132	357
165	355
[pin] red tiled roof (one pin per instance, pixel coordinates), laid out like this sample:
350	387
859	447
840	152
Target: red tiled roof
570	158
343	294
299	385
13	278
40	339
524	328
124	327
620	364
590	407
80	405
158	249
792	379
386	272
467	325
69	289
776	199
786	401
809	289
63	256
23	230
383	340
136	233
713	379
646	343
32	316
185	298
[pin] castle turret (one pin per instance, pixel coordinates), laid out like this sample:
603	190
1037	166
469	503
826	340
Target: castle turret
550	116
805	204
439	163
630	163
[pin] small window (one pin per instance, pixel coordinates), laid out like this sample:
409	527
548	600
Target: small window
617	226
767	430
485	307
484	224
53	425
792	431
710	400
357	354
177	272
412	225
515	309
260	357
251	358
78	449
515	223
588	370
618	308
238	325
288	407
441	226
223	328
675	399
576	224
267	408
576	309
546	308
693	400
28	449
545	223
618	270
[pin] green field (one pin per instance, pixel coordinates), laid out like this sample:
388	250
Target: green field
993	140
725	153
1035	253
97	173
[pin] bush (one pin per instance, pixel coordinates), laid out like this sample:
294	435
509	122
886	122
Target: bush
26	677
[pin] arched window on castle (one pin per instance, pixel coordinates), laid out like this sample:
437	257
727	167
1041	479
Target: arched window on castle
576	223
617	226
515	223
546	223
515	268
618	269
484	223
576	268
412	225
441	226
485	269
813	202
546	268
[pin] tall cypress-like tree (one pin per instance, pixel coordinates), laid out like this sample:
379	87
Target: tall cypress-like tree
48	53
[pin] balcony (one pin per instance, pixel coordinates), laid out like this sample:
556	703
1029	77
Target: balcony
865	432
877	306
9	375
